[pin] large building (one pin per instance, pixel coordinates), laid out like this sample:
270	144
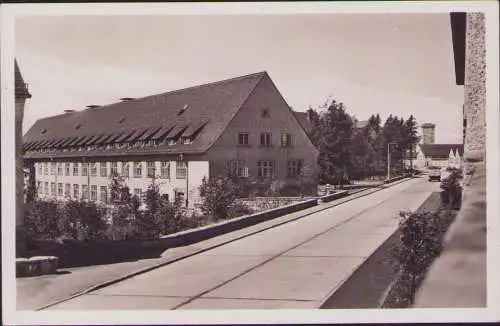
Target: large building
242	125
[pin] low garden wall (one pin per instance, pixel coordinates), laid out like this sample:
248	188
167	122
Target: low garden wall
72	253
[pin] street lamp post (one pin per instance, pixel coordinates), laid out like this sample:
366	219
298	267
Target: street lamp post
389	160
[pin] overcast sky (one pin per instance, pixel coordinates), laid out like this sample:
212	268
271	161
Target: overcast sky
391	63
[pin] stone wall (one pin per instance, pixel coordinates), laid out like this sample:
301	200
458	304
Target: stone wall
475	87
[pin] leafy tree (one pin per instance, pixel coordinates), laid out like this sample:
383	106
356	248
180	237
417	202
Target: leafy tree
122	210
217	194
411	137
42	219
336	130
83	220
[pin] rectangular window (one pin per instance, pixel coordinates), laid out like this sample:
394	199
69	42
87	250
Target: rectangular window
93	192
75	169
181	170
76	191
93	169
266	139
85	192
165	170
265	169
46	188
179	196
67	190
236	167
85	169
286	140
59	169
66	169
46	168
104	169
40	168
53	189
151	169
137	169
104	194
53	168
60	189
243	138
114	169
294	168
40	188
125	169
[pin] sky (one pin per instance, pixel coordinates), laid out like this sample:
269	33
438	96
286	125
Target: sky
397	64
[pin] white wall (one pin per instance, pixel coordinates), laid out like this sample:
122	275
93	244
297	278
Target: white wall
196	171
167	185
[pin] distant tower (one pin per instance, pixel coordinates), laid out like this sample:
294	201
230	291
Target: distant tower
428	130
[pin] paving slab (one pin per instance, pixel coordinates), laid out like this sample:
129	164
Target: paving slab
290	278
238	303
185	278
100	302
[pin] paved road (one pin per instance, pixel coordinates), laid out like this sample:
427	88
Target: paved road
295	265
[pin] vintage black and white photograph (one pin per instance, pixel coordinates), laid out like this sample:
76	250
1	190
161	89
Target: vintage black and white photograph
263	160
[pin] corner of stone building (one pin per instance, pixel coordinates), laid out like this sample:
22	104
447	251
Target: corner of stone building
464	253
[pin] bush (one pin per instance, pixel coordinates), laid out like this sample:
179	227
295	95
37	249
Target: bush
218	194
420	244
42	219
83	220
239	209
451	194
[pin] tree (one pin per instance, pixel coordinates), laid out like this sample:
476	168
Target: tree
411	137
217	194
123	211
335	129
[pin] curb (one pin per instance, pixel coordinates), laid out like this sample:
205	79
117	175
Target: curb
36	266
173	260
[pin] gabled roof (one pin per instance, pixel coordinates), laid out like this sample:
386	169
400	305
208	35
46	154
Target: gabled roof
441	150
303	121
203	111
21	89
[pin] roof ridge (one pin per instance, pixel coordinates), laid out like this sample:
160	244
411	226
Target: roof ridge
218	82
263	73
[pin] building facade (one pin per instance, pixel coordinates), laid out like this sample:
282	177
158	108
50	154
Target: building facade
441	155
428	133
241	126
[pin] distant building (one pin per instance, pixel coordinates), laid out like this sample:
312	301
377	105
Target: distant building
442	155
428	133
241	125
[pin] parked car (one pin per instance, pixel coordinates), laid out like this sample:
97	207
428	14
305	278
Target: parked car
434	173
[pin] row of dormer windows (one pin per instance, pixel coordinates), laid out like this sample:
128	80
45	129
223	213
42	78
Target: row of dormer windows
138	144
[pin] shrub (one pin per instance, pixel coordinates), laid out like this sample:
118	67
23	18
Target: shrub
451	194
82	220
217	195
42	219
239	209
123	211
420	244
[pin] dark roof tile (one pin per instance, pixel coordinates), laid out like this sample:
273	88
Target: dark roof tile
441	150
216	103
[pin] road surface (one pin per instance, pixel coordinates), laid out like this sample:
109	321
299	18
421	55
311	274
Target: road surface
296	265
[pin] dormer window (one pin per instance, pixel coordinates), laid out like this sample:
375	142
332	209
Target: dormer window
186	141
266	113
78	126
44	131
171	142
121	120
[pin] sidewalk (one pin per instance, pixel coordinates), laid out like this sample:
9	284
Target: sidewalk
37	292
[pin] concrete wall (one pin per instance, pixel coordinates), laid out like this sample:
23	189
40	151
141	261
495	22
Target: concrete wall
249	119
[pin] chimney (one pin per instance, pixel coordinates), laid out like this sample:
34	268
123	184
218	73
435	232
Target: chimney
92	106
126	99
69	111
